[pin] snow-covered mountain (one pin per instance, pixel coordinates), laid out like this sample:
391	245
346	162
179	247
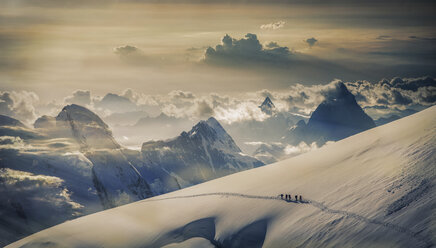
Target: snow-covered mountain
203	153
70	165
86	128
336	118
150	128
374	189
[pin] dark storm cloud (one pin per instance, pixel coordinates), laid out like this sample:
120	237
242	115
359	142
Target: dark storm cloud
272	44
412	84
311	41
273	59
246	50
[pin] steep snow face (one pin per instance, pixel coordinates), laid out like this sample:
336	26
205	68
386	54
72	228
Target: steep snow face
86	127
337	117
374	189
116	180
203	153
267	106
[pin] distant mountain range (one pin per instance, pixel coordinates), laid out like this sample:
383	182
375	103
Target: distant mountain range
84	169
337	117
74	166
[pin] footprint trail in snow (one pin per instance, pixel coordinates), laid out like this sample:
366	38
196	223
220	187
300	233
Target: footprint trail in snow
315	204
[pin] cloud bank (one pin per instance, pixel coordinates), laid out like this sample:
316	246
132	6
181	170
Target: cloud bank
19	105
379	99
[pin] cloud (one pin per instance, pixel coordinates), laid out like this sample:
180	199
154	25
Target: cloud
247	50
131	55
383	37
11	142
80	97
181	95
273	25
301	100
19	105
276	151
115	103
126	50
204	110
272	44
377	98
311	41
396	92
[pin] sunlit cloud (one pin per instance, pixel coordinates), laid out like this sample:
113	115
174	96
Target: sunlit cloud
273	25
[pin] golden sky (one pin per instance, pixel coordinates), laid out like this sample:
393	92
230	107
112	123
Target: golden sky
56	49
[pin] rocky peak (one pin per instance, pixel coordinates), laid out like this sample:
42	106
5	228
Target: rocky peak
267	106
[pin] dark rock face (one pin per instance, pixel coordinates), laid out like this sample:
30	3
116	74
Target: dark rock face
267	106
336	118
203	153
9	121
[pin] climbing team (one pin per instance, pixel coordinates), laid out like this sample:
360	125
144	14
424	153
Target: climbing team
288	197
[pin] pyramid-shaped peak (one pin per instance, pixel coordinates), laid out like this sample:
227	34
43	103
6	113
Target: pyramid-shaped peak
268	102
267	106
338	92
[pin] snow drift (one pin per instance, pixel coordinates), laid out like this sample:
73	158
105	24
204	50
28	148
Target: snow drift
373	189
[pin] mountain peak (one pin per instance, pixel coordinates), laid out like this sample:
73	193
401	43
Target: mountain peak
336	118
267	106
339	115
211	129
339	93
87	128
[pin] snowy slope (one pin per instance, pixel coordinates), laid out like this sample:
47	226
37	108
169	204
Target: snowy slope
374	189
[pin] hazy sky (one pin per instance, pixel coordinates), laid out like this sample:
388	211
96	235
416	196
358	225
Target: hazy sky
56	47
